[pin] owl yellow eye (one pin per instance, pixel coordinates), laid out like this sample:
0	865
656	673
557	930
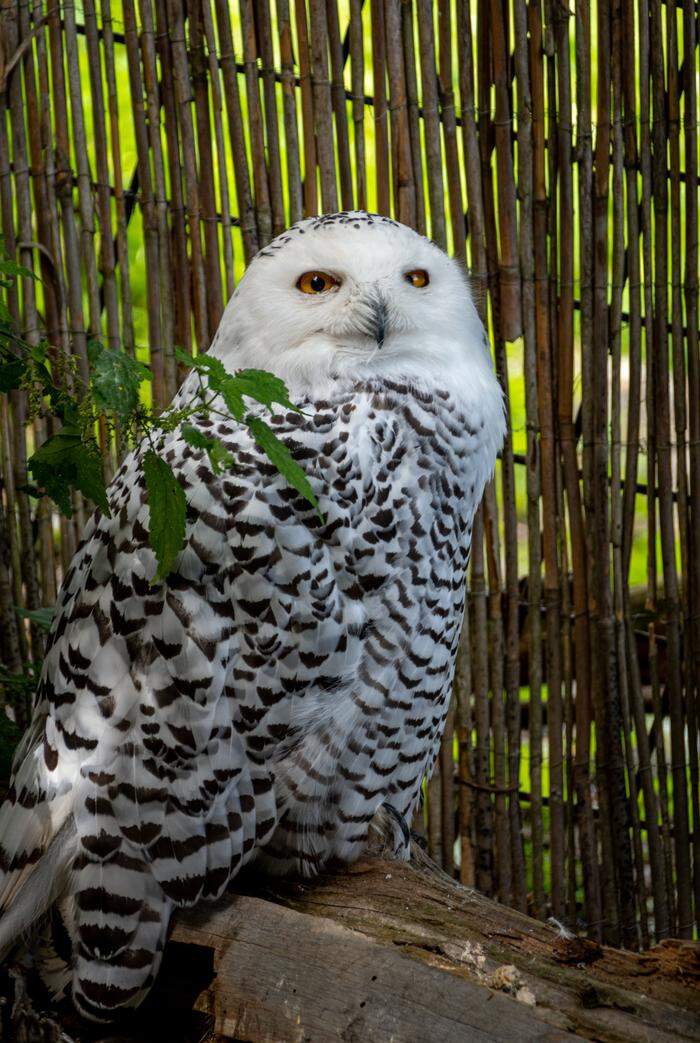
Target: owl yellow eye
317	282
418	278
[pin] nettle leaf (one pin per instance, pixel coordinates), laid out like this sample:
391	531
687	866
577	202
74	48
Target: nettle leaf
203	364
264	387
219	456
10	733
233	397
11	374
116	379
41	617
94	350
67	461
196	438
89	478
278	455
167	508
8	267
39	352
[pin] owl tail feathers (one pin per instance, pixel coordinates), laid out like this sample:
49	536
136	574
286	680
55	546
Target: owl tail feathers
118	920
25	897
105	938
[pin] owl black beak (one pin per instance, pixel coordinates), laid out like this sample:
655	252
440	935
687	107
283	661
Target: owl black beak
379	320
371	316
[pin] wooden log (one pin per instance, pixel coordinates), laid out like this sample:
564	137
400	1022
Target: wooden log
389	950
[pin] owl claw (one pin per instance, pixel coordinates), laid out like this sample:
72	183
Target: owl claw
390	836
403	824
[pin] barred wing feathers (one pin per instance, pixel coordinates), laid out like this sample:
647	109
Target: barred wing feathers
288	677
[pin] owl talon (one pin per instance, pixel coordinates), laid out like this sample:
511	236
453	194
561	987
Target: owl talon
419	840
403	824
390	836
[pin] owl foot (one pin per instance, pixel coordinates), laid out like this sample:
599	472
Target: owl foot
390	836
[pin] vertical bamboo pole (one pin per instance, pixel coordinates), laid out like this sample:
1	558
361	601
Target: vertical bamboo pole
264	36
404	192
18	500
431	123
679	765
291	133
255	129
205	169
121	246
160	202
84	178
534	578
586	240
661	923
193	195
357	64
690	296
99	141
509	271
148	209
498	724
545	392
340	114
247	213
307	108
222	171
449	124
173	209
565	338
409	59
381	129
616	527
323	111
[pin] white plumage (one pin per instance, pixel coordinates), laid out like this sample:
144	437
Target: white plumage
292	675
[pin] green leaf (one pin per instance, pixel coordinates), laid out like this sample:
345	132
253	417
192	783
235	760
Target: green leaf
94	350
278	455
39	352
11	374
264	387
10	734
233	397
219	456
196	438
183	357
167	507
89	478
41	617
8	267
67	461
214	368
116	379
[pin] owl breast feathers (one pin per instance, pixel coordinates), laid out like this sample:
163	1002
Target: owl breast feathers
293	673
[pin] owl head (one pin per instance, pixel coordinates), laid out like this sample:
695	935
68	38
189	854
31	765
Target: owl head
354	296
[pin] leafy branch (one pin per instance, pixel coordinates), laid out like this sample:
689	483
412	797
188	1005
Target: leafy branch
112	399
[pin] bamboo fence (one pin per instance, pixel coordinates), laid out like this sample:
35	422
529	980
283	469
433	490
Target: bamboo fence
148	149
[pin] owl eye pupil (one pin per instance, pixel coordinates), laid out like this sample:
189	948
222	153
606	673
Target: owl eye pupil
317	282
418	278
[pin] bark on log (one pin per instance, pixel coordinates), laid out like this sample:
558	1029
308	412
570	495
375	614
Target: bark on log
383	951
391	951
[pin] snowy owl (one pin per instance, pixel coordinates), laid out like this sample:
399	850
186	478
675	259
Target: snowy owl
289	680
